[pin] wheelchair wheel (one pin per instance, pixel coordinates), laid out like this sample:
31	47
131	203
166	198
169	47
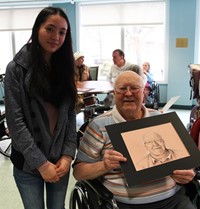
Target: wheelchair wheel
79	197
91	194
5	140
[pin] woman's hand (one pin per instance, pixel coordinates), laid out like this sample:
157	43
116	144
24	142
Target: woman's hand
48	172
183	176
63	165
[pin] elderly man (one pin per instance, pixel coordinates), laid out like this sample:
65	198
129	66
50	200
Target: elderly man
97	158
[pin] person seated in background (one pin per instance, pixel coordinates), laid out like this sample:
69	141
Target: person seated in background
82	72
119	64
149	79
147	72
147	91
96	157
138	70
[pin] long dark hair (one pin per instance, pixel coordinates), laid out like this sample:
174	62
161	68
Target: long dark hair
56	83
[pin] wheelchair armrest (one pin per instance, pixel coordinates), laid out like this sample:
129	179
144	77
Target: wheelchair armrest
100	189
102	108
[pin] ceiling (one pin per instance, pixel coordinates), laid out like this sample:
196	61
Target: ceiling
22	3
29	2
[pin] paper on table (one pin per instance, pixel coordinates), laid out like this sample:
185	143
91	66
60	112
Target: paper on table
170	103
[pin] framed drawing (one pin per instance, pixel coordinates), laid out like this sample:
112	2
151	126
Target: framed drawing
154	147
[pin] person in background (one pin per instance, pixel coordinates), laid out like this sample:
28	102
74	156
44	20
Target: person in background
149	79
147	91
119	64
96	157
147	72
40	97
82	72
138	70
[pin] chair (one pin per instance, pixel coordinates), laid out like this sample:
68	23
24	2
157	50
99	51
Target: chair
90	194
5	140
93	106
90	99
94	72
193	188
152	99
195	131
194	80
194	115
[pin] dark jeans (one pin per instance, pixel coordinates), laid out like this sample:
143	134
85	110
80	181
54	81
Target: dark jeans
31	189
177	201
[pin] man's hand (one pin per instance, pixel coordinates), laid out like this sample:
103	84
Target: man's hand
183	176
112	159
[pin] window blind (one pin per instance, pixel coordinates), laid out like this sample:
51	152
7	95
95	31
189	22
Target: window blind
123	13
18	19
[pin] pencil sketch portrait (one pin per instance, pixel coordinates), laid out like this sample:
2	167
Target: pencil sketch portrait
154	146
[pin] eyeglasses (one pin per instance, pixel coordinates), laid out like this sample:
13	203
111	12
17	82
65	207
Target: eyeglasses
124	89
157	141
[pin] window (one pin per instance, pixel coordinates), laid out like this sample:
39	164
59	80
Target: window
6	53
15	30
21	38
11	42
138	28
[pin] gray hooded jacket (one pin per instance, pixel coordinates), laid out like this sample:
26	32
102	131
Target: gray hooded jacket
32	143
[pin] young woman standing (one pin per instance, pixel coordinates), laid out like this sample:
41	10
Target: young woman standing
40	97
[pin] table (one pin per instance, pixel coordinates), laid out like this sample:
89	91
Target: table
94	87
89	89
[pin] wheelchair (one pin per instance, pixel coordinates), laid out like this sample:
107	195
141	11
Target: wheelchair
194	71
5	140
194	126
91	194
152	95
193	188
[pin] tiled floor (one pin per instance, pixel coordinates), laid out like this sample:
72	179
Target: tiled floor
9	196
